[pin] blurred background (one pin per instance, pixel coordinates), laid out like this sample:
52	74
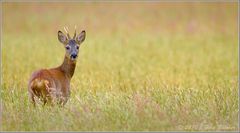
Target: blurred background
148	35
190	18
143	65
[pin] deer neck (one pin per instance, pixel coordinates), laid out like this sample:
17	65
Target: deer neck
68	67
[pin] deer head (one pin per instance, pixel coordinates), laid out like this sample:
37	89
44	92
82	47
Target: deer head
71	44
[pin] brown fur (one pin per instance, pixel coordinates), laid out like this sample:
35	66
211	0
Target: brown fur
52	84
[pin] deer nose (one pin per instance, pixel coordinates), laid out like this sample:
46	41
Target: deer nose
74	56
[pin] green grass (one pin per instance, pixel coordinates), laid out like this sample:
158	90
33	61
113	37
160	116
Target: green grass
143	66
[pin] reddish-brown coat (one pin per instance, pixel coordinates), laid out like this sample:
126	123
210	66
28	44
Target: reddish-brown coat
52	84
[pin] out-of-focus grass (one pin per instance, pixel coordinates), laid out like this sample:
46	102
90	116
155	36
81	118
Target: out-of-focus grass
143	66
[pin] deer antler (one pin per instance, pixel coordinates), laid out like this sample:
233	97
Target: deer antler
75	32
66	29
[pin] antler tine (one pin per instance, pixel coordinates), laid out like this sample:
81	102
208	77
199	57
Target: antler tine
75	32
66	29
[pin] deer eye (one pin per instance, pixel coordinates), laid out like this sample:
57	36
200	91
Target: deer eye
77	47
67	47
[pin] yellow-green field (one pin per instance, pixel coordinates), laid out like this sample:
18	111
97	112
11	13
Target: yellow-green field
143	66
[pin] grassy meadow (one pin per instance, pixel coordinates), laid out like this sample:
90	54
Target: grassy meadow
143	66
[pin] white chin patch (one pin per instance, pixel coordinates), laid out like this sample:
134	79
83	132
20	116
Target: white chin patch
73	59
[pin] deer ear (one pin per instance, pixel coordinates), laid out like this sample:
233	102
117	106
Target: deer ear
61	37
81	37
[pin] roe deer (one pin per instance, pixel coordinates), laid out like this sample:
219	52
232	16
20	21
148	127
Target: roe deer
53	85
